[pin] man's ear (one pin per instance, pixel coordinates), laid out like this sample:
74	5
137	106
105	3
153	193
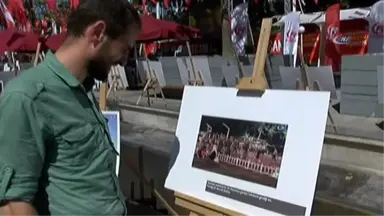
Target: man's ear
96	32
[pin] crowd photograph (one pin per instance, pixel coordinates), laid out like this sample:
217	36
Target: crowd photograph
246	150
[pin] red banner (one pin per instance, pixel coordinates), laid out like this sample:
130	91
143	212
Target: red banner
311	42
333	37
355	40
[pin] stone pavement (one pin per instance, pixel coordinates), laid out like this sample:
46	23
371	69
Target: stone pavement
347	125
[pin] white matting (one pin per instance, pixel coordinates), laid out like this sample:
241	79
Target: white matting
302	152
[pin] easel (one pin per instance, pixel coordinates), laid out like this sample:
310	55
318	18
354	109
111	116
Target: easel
151	84
196	79
257	82
303	83
115	83
103	106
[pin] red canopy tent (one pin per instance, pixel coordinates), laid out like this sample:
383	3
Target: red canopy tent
8	36
152	29
15	40
54	41
26	43
156	29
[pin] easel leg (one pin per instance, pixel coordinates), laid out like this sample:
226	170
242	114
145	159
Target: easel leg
103	96
316	87
155	93
162	95
332	121
111	87
144	90
148	97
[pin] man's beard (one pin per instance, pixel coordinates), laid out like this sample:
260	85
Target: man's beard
98	69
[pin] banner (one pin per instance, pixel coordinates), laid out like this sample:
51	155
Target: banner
239	28
291	33
311	42
355	33
333	37
376	21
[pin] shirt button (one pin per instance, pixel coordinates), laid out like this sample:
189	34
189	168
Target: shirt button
7	170
40	86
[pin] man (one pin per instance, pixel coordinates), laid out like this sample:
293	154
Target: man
56	154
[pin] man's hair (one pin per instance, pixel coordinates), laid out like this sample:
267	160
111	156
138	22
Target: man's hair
118	15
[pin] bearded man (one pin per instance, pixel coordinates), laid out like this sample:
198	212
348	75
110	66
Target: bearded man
56	154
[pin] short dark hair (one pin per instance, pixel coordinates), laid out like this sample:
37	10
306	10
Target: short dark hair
118	15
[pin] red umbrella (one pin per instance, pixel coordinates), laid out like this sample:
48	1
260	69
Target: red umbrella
54	41
152	29
27	43
156	29
3	48
8	34
149	29
16	40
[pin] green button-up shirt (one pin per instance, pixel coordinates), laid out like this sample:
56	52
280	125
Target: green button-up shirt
55	148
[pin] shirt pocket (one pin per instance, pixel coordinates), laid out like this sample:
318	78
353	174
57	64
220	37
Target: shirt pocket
79	145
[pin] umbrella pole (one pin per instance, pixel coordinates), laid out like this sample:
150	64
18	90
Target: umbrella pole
37	54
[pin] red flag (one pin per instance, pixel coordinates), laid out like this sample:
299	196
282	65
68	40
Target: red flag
149	48
18	11
166	3
74	3
332	27
51	5
7	15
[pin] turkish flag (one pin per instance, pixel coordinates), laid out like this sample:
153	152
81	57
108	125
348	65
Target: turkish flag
332	42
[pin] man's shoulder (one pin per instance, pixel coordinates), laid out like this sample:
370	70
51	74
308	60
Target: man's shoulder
30	82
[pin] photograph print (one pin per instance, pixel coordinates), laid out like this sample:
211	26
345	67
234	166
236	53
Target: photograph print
113	120
246	150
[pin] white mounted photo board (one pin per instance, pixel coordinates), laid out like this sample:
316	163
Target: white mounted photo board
113	118
252	155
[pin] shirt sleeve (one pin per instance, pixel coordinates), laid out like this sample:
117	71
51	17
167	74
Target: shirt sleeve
22	148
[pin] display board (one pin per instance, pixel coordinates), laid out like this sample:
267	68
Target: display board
252	155
1	86
113	118
380	84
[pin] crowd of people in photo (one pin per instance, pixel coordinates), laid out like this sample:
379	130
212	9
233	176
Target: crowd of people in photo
209	145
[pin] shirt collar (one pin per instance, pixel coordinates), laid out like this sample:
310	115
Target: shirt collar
59	69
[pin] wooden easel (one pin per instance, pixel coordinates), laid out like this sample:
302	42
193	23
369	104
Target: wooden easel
196	79
115	83
151	84
257	82
303	83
